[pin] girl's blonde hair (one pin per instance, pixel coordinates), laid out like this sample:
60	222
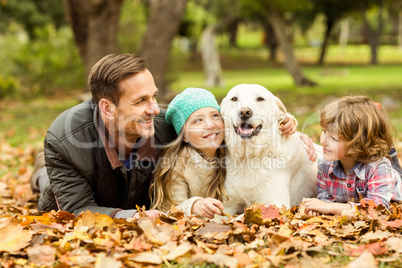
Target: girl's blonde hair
161	187
365	127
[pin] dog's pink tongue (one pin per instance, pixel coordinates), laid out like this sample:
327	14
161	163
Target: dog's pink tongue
246	131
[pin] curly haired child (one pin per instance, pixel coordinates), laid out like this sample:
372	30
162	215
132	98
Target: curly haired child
356	139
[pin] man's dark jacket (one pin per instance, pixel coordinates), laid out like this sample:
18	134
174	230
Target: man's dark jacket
85	172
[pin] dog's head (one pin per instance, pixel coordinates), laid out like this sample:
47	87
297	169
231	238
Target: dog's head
251	111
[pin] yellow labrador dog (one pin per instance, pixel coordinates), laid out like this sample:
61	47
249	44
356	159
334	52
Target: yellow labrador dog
263	165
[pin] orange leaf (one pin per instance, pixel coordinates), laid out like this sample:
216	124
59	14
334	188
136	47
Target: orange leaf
394	224
97	220
14	238
270	212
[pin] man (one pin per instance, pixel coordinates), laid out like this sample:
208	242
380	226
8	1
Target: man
101	153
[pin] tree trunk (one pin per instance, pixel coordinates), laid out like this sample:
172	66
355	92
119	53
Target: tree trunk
330	22
156	43
400	30
372	35
210	58
95	26
344	35
290	61
271	42
233	29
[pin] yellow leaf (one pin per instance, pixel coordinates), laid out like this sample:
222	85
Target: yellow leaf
14	238
90	219
285	230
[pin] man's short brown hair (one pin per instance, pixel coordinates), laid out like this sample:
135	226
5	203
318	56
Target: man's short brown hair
106	74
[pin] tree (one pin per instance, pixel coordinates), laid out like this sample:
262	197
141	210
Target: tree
273	11
287	48
372	33
220	21
95	25
333	10
163	25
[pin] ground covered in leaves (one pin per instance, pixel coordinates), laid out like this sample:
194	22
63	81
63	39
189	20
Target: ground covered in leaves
265	236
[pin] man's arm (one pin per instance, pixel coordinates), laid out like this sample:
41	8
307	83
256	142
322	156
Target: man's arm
72	191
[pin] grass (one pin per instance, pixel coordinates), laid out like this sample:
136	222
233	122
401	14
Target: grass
26	122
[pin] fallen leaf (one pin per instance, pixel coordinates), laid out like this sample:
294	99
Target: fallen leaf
394	224
217	259
375	236
103	261
90	219
365	260
147	257
178	251
213	227
377	248
13	237
395	243
42	255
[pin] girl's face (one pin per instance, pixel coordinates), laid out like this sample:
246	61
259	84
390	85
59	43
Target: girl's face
204	130
334	147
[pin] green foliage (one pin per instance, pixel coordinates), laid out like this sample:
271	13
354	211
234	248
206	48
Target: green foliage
31	14
8	86
43	65
132	25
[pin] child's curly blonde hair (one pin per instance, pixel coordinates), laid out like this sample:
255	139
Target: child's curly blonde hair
365	127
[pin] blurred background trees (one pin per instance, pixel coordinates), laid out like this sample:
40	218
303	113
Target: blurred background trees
49	46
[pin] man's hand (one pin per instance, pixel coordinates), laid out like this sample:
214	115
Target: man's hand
309	146
207	207
288	126
153	213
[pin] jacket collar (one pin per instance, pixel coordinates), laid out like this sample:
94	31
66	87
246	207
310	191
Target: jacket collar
111	153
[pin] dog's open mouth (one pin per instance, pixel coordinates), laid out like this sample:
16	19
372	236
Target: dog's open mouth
247	131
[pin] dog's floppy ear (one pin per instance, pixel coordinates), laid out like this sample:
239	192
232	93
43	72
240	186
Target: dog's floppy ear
223	105
282	110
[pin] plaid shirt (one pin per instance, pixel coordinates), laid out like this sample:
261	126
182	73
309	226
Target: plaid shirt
376	181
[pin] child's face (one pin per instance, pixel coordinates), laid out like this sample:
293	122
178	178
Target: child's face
204	130
334	147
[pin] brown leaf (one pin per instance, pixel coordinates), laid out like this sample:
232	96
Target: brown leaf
213	227
375	236
377	248
14	238
178	250
42	255
148	257
103	261
270	212
138	244
157	234
365	260
395	243
217	259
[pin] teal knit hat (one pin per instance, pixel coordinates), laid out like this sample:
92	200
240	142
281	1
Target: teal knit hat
186	103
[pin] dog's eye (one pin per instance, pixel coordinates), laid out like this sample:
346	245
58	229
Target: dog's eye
234	99
260	99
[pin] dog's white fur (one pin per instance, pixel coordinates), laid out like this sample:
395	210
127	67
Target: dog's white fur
269	168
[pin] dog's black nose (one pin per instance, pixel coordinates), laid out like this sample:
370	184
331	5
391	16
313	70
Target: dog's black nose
245	113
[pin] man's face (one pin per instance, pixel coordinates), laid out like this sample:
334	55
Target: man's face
137	107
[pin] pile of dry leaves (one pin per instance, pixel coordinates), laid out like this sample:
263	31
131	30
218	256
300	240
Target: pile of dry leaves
265	236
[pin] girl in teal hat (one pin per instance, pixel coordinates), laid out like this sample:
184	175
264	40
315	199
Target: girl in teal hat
191	170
